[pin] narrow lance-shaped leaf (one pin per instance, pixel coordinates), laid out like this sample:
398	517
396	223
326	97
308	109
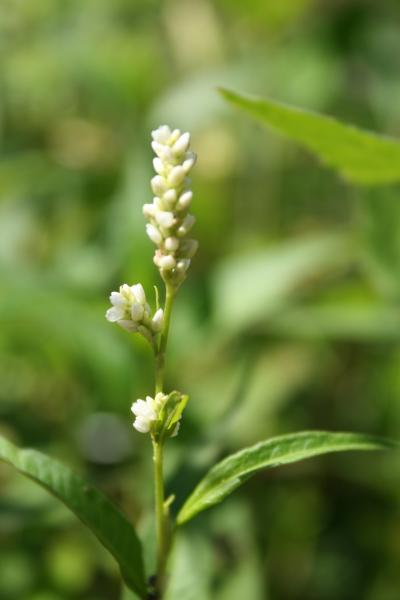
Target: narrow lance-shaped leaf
112	529
361	156
227	475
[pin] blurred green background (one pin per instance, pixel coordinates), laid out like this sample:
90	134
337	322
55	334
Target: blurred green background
289	320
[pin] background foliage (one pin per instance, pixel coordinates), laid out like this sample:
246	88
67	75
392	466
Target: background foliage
289	319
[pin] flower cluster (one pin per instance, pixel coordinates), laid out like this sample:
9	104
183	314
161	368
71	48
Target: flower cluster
150	414
168	215
147	411
131	311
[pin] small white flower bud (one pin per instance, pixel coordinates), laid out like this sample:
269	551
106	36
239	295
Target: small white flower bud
148	210
125	290
158	166
158	204
176	176
162	134
187	224
153	234
181	145
185	200
172	244
159	401
116	299
115	314
188	163
137	312
158	185
157	322
167	262
164	219
142	425
175	135
138	292
170	198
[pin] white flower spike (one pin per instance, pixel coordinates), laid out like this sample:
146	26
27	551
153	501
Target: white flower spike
169	220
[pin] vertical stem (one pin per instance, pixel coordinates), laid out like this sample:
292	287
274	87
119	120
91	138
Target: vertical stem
158	445
160	353
161	526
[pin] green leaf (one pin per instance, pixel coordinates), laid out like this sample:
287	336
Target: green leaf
111	528
248	289
361	156
191	564
227	475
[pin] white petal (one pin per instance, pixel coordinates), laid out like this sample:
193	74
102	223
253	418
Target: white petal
176	176
188	164
158	320
153	234
170	197
185	200
114	314
141	425
167	262
116	299
137	312
175	135
158	165
163	152
138	292
136	407
161	134
125	291
172	244
148	210
182	144
164	218
142	408
159	185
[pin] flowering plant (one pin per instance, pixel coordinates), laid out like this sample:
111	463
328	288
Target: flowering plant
160	414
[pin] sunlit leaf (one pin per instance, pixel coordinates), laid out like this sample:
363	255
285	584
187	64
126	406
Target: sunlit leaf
361	156
111	528
230	473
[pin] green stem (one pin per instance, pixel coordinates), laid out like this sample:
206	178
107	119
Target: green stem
158	446
160	353
161	524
